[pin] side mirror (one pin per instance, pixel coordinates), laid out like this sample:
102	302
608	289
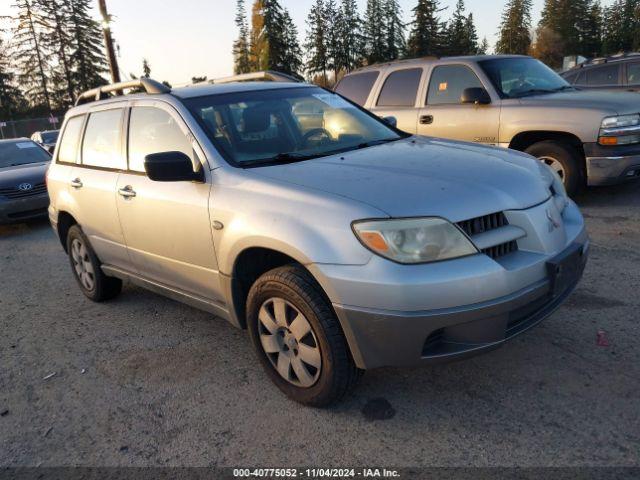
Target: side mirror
171	167
476	95
391	121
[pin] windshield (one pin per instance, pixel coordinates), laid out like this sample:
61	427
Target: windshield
519	77
50	137
21	152
286	125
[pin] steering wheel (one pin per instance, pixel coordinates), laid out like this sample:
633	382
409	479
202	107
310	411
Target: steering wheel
324	135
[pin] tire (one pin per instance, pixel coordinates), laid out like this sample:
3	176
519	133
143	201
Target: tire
565	157
86	268
293	292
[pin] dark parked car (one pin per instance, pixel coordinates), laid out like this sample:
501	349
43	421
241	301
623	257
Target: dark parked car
46	138
23	192
620	72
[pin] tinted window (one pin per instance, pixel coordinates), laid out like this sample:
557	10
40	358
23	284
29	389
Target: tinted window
448	82
357	87
50	136
68	150
400	88
633	73
571	78
152	130
101	145
603	75
21	152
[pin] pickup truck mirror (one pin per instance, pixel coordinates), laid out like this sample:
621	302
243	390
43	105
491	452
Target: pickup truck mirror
392	121
171	167
476	95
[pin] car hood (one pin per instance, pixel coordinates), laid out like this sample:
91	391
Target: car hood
423	176
11	177
608	101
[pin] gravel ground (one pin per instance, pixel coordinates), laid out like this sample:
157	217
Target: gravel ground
145	381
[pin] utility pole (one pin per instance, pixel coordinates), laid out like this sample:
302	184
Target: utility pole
108	41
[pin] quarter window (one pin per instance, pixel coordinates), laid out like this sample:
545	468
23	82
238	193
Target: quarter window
358	86
448	82
400	88
603	75
152	130
68	151
101	145
633	73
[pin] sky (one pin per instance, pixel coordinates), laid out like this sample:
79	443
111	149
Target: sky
186	38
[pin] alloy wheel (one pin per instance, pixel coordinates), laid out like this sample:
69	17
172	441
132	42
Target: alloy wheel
556	165
82	264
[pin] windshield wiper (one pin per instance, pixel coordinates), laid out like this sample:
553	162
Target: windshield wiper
533	91
280	159
373	143
564	87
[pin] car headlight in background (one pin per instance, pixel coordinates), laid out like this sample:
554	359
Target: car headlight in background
555	185
414	240
620	130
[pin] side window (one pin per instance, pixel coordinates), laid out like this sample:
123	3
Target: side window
571	78
68	150
400	88
448	82
607	75
102	140
358	86
633	73
152	130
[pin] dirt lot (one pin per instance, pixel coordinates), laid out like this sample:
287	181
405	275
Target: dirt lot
146	381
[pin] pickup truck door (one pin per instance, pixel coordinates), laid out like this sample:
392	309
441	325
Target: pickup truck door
444	116
166	225
398	96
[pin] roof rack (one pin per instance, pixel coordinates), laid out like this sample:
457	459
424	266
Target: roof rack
268	75
100	93
610	58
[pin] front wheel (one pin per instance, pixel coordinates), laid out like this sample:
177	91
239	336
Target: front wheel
298	338
564	159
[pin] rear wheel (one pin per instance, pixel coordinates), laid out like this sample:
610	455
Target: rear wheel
564	159
86	268
298	338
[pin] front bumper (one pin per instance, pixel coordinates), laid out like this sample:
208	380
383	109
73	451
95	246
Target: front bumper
612	165
23	209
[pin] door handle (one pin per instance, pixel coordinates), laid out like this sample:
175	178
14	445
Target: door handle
426	119
76	183
127	192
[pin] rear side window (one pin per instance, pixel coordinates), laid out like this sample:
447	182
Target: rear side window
603	75
101	145
400	88
358	86
571	78
152	130
633	73
68	150
448	82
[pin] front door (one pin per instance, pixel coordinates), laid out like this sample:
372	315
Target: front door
397	98
444	116
166	224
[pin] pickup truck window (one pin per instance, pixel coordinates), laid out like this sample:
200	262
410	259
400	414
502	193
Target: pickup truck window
517	77
448	82
606	75
400	88
358	86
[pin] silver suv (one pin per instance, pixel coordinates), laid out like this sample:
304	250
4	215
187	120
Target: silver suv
339	242
588	137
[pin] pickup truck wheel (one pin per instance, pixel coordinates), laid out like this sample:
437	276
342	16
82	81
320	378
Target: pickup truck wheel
298	337
564	159
86	268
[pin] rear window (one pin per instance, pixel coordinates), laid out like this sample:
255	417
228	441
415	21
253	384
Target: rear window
603	75
102	140
68	150
358	86
400	88
21	152
633	73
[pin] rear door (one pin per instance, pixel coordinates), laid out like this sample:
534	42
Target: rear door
92	183
398	96
604	77
444	116
166	224
357	86
633	76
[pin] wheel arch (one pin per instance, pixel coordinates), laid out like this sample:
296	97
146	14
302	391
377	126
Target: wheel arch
65	222
523	140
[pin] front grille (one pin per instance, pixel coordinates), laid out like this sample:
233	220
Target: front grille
38	189
493	221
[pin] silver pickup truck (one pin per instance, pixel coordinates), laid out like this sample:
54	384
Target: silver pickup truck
588	137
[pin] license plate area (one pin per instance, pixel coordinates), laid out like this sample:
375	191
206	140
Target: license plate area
565	269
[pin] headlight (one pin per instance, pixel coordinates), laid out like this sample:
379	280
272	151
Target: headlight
414	240
555	185
620	130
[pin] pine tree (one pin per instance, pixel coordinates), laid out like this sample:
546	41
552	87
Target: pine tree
472	36
426	37
332	23
514	36
258	46
316	43
87	56
461	36
564	19
374	32
146	68
483	48
394	30
591	28
12	101
29	56
241	45
351	40
292	62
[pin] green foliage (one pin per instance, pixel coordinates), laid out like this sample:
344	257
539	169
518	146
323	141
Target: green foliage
395	43
461	36
241	45
374	32
515	28
427	32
